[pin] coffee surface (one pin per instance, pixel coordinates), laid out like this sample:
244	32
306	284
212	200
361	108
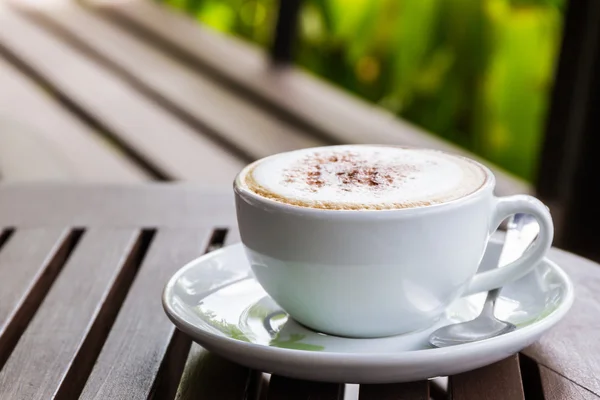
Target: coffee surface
358	177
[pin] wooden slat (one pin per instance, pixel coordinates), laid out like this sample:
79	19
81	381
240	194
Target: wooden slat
30	260
498	381
264	380
60	344
281	388
238	121
107	205
161	139
46	142
567	348
329	110
208	376
400	391
182	205
26	156
557	387
203	372
139	340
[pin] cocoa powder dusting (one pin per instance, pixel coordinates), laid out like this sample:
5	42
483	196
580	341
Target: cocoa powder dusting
348	170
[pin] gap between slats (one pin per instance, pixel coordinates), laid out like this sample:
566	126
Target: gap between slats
205	369
530	375
203	372
110	101
180	349
54	144
224	79
23	376
397	391
5	234
205	106
316	106
135	83
18	319
83	362
143	354
97	126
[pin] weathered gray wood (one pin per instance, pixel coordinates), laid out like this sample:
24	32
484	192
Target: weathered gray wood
139	340
243	124
498	381
41	140
58	347
329	110
566	349
556	387
25	156
164	141
208	376
399	391
203	372
29	260
154	205
569	348
281	388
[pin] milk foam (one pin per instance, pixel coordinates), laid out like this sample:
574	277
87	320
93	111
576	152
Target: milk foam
364	177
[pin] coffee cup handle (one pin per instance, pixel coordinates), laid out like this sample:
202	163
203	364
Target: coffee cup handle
504	208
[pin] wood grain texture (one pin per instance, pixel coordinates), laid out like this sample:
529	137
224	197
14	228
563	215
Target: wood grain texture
139	340
139	122
281	388
203	372
232	118
30	260
498	381
41	140
326	109
556	387
152	205
208	376
59	345
399	391
567	348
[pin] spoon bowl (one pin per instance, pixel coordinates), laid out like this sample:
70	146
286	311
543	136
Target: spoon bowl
485	326
471	331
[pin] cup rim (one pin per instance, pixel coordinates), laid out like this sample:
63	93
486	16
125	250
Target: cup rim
250	196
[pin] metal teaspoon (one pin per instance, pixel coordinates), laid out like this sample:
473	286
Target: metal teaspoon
522	230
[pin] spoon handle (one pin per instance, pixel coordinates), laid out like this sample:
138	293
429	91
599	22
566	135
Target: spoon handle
490	302
522	230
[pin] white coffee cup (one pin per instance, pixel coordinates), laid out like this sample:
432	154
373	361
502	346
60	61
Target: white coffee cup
373	273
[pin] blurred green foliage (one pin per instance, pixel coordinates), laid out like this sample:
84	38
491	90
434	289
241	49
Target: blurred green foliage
477	72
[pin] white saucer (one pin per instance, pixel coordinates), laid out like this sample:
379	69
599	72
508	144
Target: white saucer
216	301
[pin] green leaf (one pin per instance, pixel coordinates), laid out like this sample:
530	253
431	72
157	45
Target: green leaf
294	342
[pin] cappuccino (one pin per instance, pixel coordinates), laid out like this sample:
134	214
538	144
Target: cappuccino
363	177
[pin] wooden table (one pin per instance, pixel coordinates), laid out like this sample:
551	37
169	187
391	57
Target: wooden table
81	273
131	91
